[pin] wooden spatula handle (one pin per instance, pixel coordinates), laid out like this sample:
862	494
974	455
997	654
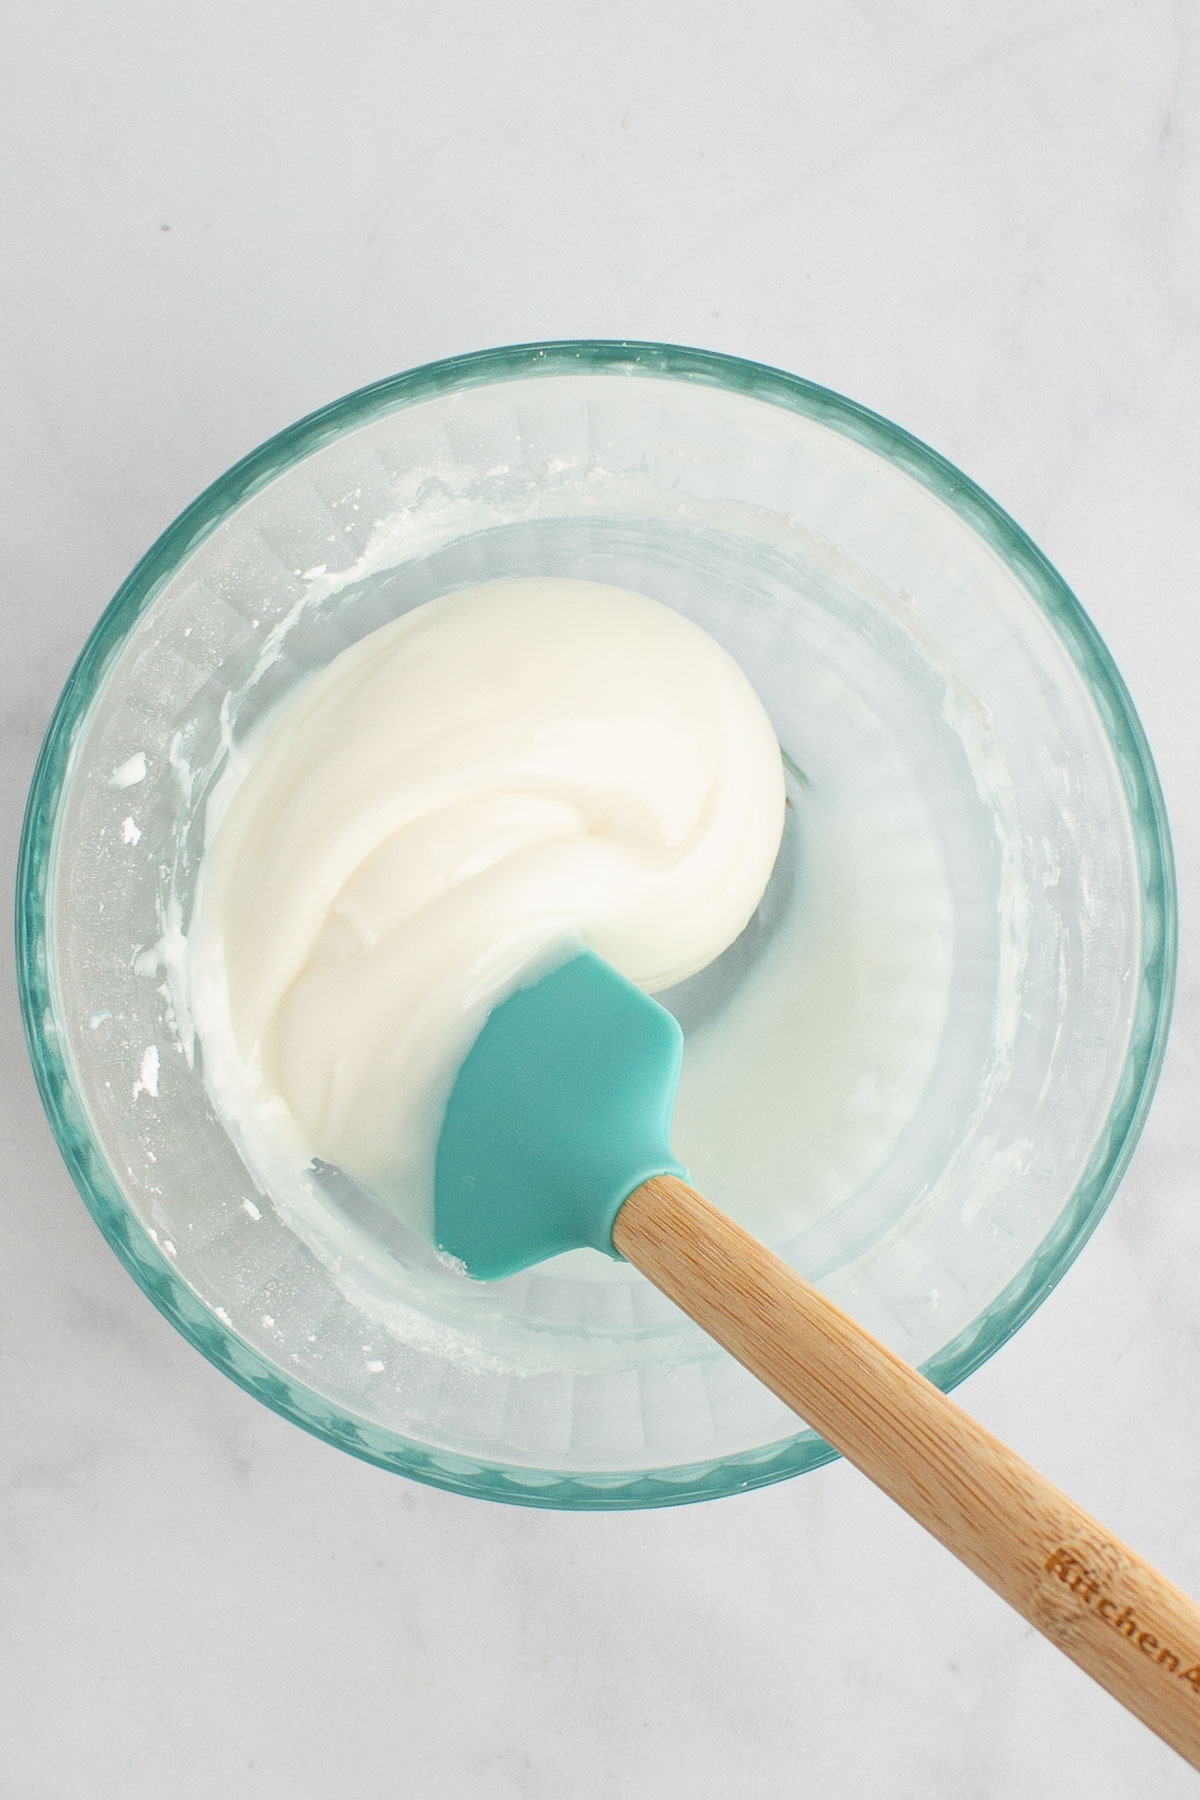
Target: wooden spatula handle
1135	1633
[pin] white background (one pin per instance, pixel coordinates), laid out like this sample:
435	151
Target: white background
980	219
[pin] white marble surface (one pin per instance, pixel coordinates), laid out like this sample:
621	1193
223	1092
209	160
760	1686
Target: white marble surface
979	218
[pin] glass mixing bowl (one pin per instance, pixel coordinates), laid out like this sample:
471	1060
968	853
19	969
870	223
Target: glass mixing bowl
919	1073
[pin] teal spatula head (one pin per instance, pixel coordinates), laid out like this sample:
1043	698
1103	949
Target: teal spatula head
562	1108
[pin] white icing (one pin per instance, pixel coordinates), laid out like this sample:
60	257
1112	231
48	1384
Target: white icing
130	772
493	774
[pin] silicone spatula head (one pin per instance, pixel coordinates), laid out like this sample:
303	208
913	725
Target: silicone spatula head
561	1109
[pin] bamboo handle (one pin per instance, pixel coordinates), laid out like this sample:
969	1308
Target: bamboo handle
1114	1615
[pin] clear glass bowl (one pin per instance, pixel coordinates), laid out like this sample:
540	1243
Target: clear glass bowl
919	1074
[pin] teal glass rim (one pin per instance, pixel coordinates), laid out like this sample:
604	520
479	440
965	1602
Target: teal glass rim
99	1189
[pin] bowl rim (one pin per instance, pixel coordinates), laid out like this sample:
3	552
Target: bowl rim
292	1399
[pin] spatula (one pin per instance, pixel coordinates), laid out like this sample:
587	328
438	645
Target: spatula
557	1135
